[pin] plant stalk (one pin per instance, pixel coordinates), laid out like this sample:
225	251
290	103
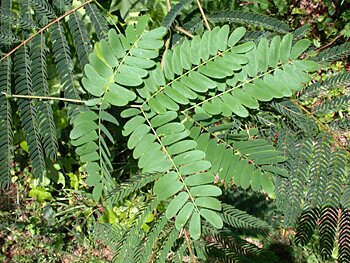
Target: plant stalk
45	27
203	15
183	31
41	98
188	241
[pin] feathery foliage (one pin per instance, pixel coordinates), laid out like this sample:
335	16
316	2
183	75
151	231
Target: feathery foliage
202	115
31	75
249	18
175	10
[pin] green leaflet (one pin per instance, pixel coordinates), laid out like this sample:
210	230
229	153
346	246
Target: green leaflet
131	124
285	47
299	47
195	167
184	215
195	226
267	183
97	192
95	89
176	204
86	148
137	135
189	156
81	129
205	190
182	146
235	36
212	217
167	186
200	178
208	202
274	51
159	120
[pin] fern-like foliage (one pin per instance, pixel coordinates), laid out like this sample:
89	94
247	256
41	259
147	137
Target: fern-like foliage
344	223
241	220
97	20
188	115
81	38
193	23
133	244
40	88
135	183
333	105
249	18
6	134
295	115
340	79
312	195
64	63
177	124
227	246
333	53
31	76
344	235
28	111
175	10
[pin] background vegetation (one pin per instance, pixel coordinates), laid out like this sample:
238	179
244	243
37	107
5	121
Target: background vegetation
52	210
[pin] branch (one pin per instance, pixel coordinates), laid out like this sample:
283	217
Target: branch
41	98
183	31
329	44
188	241
168	5
203	15
45	27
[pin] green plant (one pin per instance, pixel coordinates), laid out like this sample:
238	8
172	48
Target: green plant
196	116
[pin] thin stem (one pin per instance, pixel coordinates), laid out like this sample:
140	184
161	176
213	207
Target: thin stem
108	14
41	97
168	5
183	31
167	41
188	241
203	15
45	27
329	44
167	45
70	209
